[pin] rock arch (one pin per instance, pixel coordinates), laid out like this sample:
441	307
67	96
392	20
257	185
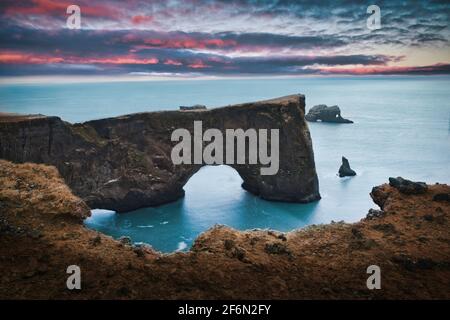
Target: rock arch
124	163
213	176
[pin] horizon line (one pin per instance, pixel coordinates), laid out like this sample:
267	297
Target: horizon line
67	79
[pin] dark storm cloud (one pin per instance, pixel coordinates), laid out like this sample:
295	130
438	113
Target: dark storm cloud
176	61
120	41
128	37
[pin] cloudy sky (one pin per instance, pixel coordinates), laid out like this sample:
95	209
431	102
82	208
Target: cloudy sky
192	38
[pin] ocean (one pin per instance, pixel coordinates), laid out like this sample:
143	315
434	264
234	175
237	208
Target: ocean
402	128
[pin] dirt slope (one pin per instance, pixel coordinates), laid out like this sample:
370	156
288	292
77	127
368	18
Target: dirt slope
41	233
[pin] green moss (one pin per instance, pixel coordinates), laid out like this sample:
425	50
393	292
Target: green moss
137	157
88	134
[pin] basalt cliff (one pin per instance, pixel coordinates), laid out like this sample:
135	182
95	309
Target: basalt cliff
41	234
124	163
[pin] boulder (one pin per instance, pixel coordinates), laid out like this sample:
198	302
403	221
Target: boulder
324	113
125	240
407	186
345	170
374	214
442	197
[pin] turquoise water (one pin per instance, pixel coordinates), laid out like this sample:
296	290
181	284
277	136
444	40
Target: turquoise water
402	128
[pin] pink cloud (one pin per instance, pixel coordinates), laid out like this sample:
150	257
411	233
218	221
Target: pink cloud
198	64
9	57
116	60
27	58
45	7
141	19
178	42
374	70
173	62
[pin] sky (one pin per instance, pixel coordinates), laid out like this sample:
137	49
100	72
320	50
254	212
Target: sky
223	38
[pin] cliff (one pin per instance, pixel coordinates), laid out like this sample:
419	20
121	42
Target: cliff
41	233
124	163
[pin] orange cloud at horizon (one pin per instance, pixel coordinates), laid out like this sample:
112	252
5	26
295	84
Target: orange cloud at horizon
23	58
28	58
371	70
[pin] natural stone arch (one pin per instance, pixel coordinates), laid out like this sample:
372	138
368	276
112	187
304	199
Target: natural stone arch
124	163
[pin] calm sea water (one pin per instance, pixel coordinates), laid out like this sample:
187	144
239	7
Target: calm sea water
402	128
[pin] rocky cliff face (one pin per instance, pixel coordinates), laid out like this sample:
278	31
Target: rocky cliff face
124	163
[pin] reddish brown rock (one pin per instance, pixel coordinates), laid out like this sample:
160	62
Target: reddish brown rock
410	243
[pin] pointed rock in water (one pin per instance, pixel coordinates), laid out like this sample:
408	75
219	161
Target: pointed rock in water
345	170
324	113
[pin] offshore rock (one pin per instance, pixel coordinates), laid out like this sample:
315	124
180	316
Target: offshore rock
324	113
345	170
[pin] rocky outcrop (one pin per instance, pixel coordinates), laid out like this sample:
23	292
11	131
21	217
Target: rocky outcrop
41	233
124	163
194	107
324	113
408	186
442	197
345	170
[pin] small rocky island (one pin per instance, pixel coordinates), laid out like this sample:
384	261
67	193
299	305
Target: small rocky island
324	113
345	170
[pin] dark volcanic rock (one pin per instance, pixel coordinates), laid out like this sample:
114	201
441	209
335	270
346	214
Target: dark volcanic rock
125	240
374	214
276	248
345	170
326	114
408	186
412	264
194	107
441	197
124	163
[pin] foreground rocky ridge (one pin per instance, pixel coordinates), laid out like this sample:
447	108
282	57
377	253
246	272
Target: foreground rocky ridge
41	233
124	163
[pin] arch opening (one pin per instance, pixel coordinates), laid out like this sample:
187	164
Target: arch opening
214	183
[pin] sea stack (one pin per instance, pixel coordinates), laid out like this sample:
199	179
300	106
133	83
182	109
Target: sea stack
324	113
345	170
